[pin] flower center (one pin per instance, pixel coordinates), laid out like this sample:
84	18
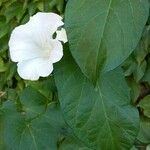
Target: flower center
47	51
47	48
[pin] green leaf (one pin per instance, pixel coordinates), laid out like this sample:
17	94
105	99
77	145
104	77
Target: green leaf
103	33
4	30
102	117
144	135
41	133
12	94
134	90
3	67
133	148
6	77
14	10
60	5
32	8
132	67
142	48
145	105
72	143
45	87
4	43
136	64
1	131
140	70
146	76
34	103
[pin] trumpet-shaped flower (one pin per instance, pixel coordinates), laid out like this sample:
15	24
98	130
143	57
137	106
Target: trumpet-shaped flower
34	47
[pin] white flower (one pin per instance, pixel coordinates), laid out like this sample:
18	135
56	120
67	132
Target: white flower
32	45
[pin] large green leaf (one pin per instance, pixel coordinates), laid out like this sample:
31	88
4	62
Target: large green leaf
102	33
102	117
41	133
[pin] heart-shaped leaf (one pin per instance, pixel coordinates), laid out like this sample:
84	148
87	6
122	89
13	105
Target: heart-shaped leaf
19	133
103	33
102	117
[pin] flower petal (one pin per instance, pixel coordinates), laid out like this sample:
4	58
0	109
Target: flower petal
33	69
32	39
49	21
61	35
56	52
24	44
19	43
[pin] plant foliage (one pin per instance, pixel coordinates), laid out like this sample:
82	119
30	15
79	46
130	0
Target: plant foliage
99	94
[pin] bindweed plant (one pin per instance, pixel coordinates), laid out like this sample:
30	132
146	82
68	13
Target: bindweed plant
74	75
